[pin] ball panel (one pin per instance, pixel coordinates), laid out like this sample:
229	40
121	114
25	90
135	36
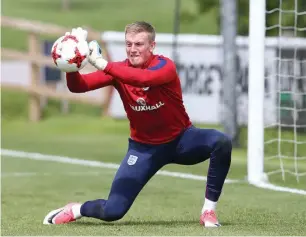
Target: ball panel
66	67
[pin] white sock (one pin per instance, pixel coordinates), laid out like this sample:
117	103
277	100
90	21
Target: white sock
76	210
209	205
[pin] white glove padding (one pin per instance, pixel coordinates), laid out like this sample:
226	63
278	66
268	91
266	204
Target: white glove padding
95	57
79	33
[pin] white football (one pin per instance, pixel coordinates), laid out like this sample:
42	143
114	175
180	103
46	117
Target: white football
70	54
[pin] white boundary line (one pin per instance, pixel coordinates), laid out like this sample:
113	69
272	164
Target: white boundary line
267	185
70	160
75	161
31	174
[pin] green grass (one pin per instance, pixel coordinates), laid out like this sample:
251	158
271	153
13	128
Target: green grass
158	210
105	15
167	205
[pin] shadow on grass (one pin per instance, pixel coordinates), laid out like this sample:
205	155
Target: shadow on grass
143	223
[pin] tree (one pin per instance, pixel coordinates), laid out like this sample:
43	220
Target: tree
272	18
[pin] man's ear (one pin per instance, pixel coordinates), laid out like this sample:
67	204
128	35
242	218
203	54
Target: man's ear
153	44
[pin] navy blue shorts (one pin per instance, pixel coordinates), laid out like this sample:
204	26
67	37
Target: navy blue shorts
142	161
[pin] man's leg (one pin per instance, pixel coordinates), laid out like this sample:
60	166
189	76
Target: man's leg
197	145
130	179
139	165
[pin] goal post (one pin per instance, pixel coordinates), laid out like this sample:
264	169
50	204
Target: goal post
255	153
277	112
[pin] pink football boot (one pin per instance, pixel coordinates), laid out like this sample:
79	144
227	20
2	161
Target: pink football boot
61	216
209	219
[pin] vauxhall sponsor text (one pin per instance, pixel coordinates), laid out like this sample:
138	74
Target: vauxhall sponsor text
139	108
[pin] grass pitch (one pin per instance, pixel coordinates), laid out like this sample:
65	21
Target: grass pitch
166	206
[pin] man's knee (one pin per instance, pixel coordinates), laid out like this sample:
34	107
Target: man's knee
113	215
223	142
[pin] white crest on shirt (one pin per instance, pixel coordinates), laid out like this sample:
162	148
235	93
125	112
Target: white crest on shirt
132	160
141	101
145	88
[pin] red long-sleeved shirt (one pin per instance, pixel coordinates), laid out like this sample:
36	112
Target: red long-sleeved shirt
151	95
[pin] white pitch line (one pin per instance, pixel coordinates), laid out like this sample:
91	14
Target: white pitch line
31	174
273	187
19	174
75	161
69	160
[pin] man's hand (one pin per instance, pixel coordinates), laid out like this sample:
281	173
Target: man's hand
95	57
79	33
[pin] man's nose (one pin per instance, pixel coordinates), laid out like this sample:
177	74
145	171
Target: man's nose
133	48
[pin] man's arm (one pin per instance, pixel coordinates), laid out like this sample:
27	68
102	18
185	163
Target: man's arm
79	83
162	73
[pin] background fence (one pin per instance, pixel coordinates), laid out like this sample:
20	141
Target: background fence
38	59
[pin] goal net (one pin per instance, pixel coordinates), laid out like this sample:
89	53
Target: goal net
285	138
284	91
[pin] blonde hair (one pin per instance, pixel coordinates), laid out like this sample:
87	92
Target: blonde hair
141	26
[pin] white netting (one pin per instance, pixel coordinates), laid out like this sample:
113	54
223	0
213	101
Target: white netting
285	131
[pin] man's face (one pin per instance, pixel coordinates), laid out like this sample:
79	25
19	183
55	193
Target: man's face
139	47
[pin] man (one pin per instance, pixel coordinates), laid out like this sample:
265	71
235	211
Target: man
160	130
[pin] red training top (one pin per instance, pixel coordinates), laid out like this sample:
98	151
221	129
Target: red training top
151	95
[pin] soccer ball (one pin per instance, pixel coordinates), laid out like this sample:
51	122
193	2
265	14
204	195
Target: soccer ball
70	54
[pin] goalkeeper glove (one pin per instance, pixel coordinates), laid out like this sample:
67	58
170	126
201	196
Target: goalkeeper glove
79	33
95	57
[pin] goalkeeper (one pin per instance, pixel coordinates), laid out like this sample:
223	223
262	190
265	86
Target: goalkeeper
160	130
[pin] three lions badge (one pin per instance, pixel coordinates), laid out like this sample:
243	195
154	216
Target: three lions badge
132	160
